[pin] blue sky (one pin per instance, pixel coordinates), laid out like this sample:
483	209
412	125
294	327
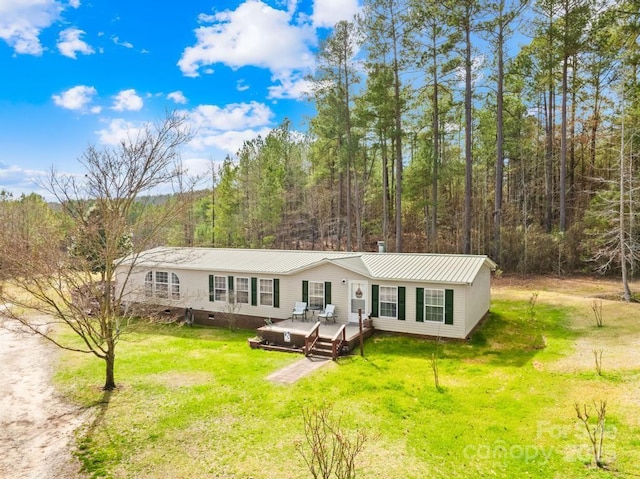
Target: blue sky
81	72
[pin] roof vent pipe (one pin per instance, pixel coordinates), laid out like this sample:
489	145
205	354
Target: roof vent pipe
381	247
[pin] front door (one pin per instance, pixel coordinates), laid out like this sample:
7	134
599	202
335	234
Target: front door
358	299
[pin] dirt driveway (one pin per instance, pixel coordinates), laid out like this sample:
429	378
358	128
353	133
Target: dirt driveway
36	426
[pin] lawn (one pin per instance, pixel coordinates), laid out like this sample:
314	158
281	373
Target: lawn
195	402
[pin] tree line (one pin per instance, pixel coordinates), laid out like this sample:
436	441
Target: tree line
433	132
504	127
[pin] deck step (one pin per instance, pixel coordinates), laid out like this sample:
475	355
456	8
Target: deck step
323	347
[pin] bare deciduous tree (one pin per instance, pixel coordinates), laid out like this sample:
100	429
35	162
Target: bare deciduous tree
65	274
328	449
596	431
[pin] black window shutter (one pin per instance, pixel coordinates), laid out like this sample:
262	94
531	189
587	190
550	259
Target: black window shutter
254	291
276	293
375	294
401	302
230	283
305	291
327	292
212	296
448	306
420	304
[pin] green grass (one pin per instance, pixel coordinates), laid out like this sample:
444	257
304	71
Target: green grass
195	402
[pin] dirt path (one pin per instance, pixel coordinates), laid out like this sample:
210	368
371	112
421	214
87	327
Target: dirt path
36	426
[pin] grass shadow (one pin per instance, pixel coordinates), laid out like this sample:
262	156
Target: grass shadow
179	330
94	462
510	336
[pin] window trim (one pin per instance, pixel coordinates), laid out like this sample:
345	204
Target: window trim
238	290
321	296
174	286
261	292
396	302
216	289
148	285
154	288
429	305
162	287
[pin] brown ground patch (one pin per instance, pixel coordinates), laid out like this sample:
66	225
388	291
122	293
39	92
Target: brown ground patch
619	339
36	425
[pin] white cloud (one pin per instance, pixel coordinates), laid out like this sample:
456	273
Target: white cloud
326	13
290	87
127	100
69	43
227	128
241	86
117	41
17	180
228	141
476	71
76	98
74	3
254	34
231	117
177	97
117	131
200	167
21	22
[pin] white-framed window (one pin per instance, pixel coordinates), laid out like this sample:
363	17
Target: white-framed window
266	292
242	290
148	284
220	288
434	305
175	286
162	284
157	284
389	301
316	296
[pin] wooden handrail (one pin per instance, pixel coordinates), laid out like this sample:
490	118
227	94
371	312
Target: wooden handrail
311	338
337	343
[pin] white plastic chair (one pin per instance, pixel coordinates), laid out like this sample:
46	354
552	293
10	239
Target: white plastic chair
300	310
329	313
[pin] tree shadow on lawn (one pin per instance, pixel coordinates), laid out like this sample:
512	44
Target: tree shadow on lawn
504	339
181	331
94	461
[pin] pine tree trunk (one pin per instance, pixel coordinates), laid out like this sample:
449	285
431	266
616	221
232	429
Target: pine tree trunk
468	184
497	221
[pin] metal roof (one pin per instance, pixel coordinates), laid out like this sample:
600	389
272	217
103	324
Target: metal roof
432	268
436	268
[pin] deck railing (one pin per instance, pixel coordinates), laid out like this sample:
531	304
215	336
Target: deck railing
337	341
311	339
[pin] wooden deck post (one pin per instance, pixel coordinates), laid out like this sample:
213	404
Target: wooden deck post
361	334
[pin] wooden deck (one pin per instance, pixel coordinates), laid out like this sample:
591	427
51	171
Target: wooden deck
310	337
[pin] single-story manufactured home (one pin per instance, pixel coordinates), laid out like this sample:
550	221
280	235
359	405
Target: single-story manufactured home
444	295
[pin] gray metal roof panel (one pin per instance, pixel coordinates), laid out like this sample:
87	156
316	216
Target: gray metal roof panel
238	260
458	269
420	267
